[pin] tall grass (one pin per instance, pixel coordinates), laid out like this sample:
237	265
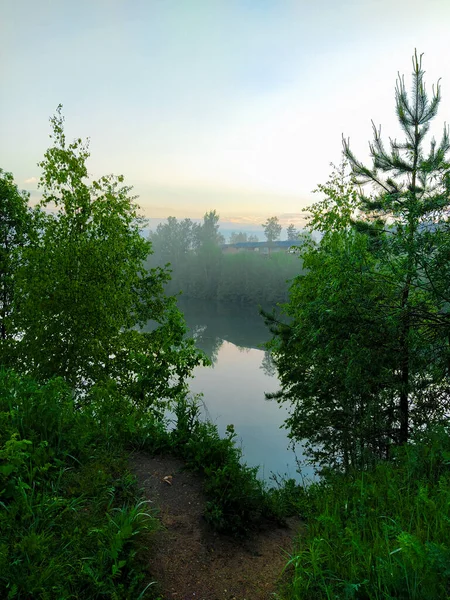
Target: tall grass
71	521
383	534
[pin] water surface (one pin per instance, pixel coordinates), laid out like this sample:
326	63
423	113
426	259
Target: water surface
233	388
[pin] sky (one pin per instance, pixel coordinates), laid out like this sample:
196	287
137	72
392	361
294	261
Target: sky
233	105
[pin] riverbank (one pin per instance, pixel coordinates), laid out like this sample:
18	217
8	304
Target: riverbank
74	522
190	560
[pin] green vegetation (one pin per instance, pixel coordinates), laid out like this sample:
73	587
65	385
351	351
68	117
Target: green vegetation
82	288
362	350
241	236
249	278
71	521
200	270
15	221
292	232
238	500
378	534
272	229
78	381
363	357
81	386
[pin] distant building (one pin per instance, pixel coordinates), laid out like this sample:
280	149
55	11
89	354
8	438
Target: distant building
261	247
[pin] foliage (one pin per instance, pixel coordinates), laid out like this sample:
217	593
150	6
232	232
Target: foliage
272	229
92	386
84	285
206	273
362	350
15	231
237	500
192	251
249	278
292	232
339	205
71	523
236	495
241	236
411	189
208	232
174	240
378	534
332	354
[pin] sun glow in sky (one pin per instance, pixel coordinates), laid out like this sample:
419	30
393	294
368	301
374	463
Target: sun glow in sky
233	105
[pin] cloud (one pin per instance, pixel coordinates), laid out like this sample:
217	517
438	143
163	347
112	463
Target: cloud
253	219
31	180
285	219
298	219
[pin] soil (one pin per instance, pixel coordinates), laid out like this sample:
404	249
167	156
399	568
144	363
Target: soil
189	560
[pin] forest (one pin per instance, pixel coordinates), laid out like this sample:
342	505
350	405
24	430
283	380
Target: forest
201	268
361	344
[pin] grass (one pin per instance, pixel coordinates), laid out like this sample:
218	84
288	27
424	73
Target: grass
72	524
382	534
238	501
72	521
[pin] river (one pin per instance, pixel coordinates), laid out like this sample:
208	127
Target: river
233	387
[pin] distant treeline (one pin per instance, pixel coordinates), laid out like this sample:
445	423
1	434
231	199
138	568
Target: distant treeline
201	270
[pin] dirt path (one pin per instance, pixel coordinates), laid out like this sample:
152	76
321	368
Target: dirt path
190	561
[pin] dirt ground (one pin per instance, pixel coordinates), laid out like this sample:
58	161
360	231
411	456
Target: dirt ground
192	562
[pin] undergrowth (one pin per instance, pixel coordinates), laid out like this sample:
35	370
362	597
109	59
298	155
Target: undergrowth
379	535
71	521
238	501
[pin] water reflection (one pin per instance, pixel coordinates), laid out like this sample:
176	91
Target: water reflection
211	324
268	365
205	341
234	389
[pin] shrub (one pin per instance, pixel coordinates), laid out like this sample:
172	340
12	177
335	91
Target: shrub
237	499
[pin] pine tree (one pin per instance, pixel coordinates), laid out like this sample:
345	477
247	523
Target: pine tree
410	199
363	353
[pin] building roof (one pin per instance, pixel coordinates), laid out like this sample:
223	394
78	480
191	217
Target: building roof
277	244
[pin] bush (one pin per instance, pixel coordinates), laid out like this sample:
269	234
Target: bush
237	500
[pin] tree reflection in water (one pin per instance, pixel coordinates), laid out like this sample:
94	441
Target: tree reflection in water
268	365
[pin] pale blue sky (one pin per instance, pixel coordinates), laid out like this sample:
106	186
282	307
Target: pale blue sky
202	104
